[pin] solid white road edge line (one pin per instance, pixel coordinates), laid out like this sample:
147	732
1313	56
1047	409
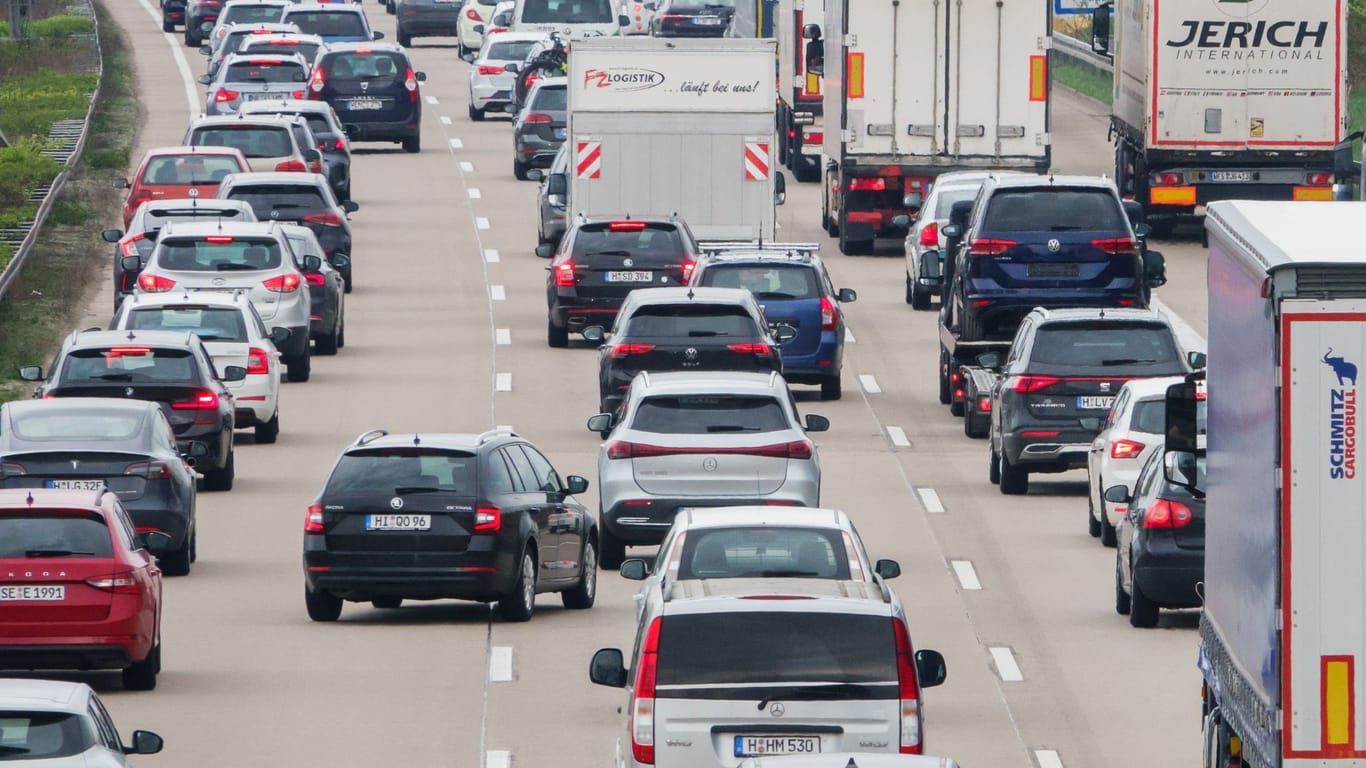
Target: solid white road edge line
502	336
1006	667
930	498
869	383
191	96
497	293
481	223
502	382
1187	335
498	758
898	437
1047	758
491	255
967	575
500	669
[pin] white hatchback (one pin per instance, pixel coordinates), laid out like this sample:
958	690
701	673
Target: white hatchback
60	724
233	333
1133	429
491	84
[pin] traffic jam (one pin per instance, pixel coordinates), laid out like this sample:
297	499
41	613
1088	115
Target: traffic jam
661	138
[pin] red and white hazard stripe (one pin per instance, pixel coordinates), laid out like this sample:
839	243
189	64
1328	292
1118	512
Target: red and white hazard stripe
589	163
756	161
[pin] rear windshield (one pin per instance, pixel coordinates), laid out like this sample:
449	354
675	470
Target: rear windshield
307	50
228	255
402	470
765	552
1111	346
237	13
265	71
776	647
648	244
130	364
209	323
286	200
567	11
38	735
329	24
365	66
766	281
709	414
511	50
1149	416
1054	210
947	197
253	140
85	424
691	320
189	169
50	535
552	98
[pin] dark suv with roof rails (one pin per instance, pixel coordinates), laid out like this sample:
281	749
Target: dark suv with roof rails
1043	241
601	259
374	91
429	516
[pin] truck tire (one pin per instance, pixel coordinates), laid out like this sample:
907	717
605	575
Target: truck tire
1014	480
971	327
1122	602
1142	611
945	391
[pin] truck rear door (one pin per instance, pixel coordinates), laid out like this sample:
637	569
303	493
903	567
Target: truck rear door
992	60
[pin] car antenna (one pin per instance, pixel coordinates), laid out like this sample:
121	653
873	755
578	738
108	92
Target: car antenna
131	337
416	440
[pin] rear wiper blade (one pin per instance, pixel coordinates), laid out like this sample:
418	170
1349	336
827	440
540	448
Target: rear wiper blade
706	333
608	253
774	295
1126	361
730	428
406	489
229	266
8	750
1062	228
816	692
57	553
286	206
115	377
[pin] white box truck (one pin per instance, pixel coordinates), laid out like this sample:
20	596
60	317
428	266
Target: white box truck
799	26
1283	633
671	125
915	89
1225	99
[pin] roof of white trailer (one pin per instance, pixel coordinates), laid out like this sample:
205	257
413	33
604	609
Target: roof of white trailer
1289	234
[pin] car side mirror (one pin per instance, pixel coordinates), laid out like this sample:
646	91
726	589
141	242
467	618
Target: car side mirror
914	200
1117	494
557	184
623	20
990	360
469	57
847	295
144	743
931	265
960	212
31	373
1196	360
784	333
206	27
901	220
634	569
350	206
952	230
535	174
1154	268
236	372
1179	468
1090	423
601	423
376	35
420	76
1100	29
111	235
121	183
607	668
312	263
312	155
816	423
340	261
1143	229
279	335
779	189
594	333
203	79
545	250
887	569
198	449
574	485
930	668
478	29
130	264
155	542
206	50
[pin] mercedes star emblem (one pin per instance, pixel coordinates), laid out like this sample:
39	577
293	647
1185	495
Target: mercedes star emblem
396	503
709	464
1054	245
777	709
220	281
690	353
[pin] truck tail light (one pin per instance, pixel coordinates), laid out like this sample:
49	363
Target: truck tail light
1167	179
876	184
1318	179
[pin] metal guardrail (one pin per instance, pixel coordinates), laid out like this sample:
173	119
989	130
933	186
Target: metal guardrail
65	140
1073	48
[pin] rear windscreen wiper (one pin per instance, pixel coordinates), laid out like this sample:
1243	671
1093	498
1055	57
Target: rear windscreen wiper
57	553
730	428
608	253
706	333
1126	361
115	377
406	489
229	266
816	692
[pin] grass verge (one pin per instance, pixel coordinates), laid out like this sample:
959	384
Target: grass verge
1083	79
46	300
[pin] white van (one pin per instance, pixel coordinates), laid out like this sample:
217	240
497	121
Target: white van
570	18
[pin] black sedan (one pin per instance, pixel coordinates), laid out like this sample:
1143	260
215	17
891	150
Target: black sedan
127	446
1161	554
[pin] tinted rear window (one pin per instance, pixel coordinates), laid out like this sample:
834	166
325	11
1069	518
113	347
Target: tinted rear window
251	14
35	534
156	218
567	11
1054	210
606	243
285	199
948	197
510	50
209	323
776	647
325	24
189	169
307	50
709	414
366	66
1073	346
691	320
387	470
763	551
1149	416
39	735
129	364
551	99
85	424
265	71
765	281
237	254
254	141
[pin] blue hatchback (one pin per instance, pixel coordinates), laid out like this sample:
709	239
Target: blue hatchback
793	288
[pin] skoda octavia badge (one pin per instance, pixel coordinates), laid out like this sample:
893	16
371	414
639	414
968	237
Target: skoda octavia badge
396	503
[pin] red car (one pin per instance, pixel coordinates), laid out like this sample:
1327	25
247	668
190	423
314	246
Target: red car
79	588
170	172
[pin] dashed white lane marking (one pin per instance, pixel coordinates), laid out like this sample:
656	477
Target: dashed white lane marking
457	144
467	166
432	100
481	223
849	335
474	193
502	382
491	255
498	758
967	575
503	336
930	498
445	120
177	53
1190	339
1047	758
498	293
869	383
1005	665
500	667
898	436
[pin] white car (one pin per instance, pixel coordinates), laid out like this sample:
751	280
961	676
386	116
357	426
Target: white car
491	84
925	242
233	333
475	13
578	19
1133	429
57	724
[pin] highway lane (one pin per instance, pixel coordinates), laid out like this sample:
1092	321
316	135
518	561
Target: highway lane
248	675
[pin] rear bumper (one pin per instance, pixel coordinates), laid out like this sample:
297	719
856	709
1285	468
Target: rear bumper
1013	304
1068	449
393	130
576	313
645	520
1169	576
83	653
428	24
536	151
484	576
811	368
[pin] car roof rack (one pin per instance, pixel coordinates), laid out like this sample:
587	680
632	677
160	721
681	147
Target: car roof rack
488	435
371	436
758	247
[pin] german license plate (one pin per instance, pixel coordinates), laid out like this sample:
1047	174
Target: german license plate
707	21
745	746
630	277
1230	176
1093	402
1053	269
360	105
76	485
33	592
398	522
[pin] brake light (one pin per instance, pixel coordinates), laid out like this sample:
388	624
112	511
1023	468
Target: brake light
316	83
315	278
472	14
115	353
1167	179
812	137
929	236
340	145
616	226
292	165
129	247
155	283
485	69
275	42
688	267
564	275
1165	513
488	519
643	698
224	94
410	82
989	246
282	283
117	583
538	118
909	689
218	239
202	401
1318	179
827	314
258	362
326	218
152	470
623	449
626	350
1026	385
1125	449
756	349
876	184
313	519
1115	245
984	404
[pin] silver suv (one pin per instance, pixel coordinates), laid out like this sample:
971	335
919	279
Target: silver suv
728	669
